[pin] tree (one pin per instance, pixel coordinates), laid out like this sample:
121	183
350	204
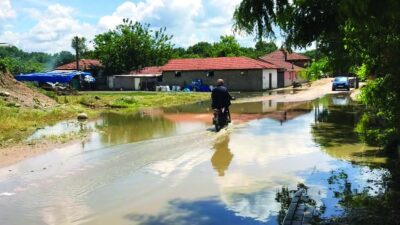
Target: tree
62	58
202	49
264	47
131	46
16	66
317	70
79	45
351	33
227	46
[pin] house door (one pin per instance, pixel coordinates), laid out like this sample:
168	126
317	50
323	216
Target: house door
265	81
281	79
270	81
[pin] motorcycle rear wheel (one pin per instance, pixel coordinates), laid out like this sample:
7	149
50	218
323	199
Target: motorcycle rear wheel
217	125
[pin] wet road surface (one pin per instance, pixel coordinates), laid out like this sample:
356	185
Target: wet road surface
167	166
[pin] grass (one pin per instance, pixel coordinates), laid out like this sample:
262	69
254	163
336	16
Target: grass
16	124
133	100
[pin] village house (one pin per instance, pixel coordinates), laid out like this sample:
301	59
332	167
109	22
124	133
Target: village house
88	65
239	73
289	65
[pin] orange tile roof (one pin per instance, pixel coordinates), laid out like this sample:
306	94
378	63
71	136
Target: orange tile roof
222	63
280	54
148	70
282	64
84	64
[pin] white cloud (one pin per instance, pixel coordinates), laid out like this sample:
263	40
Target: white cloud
189	21
6	10
53	31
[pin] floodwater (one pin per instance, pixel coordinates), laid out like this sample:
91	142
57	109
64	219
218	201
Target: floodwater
167	166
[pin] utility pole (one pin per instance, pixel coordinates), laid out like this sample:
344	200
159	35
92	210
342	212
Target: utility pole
77	52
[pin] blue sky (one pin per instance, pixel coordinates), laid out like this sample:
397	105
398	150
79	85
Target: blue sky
49	25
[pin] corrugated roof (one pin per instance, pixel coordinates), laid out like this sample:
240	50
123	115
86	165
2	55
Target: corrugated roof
222	63
280	54
84	64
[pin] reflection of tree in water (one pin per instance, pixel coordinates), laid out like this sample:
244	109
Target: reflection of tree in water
222	156
335	124
377	203
125	128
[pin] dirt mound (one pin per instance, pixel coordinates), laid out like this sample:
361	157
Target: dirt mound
15	92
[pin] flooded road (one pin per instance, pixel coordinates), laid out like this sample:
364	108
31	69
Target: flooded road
167	166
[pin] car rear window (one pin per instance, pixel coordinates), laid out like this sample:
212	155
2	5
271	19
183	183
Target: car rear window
341	79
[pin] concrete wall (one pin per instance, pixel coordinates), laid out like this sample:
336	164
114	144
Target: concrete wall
274	75
121	82
250	80
292	76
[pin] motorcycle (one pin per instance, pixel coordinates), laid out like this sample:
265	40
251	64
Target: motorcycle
222	118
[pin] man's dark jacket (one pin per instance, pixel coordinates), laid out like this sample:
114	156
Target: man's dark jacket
220	97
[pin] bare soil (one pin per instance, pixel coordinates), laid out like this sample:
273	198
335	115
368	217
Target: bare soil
19	94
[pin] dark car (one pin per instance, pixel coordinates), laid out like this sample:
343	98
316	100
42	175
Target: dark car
340	83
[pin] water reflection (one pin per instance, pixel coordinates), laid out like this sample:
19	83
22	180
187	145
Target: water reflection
222	156
336	118
126	128
190	176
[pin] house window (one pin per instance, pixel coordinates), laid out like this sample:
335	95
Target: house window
210	73
178	74
159	78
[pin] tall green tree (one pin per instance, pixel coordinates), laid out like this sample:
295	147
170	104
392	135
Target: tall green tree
350	33
263	47
202	49
79	45
227	46
62	58
131	46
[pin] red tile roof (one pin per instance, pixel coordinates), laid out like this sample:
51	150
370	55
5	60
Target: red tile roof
280	54
84	64
148	70
281	64
222	63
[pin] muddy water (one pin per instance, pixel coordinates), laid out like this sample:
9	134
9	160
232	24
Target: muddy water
166	166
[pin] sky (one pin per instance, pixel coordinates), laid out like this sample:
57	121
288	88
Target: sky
49	25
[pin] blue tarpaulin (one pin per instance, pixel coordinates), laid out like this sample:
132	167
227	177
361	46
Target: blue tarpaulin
54	77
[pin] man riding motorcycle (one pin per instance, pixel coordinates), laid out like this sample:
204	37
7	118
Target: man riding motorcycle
221	100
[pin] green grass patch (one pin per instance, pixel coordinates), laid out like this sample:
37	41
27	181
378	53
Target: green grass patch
16	124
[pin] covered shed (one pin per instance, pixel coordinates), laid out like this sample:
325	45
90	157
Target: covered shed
76	79
94	66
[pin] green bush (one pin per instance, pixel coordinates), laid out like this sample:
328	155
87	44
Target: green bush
3	66
380	126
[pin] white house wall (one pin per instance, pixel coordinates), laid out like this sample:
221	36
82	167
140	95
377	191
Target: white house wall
274	76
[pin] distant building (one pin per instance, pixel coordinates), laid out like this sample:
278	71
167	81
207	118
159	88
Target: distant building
137	80
289	65
239	73
293	58
88	65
